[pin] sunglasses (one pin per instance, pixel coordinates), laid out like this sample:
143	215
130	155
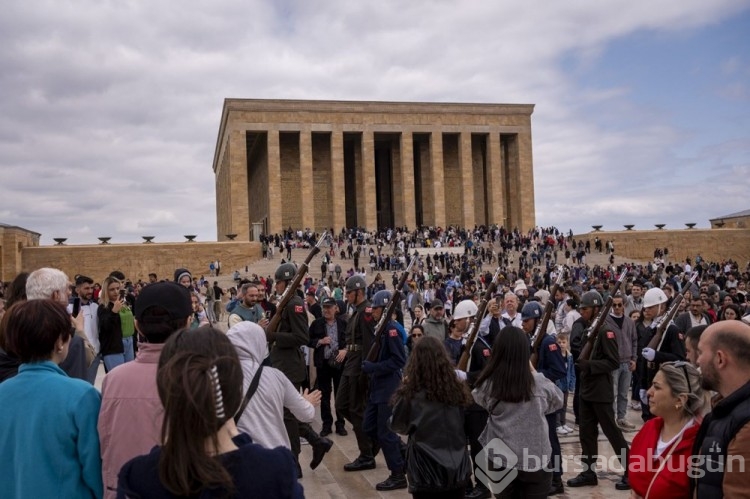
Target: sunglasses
617	305
417	335
682	364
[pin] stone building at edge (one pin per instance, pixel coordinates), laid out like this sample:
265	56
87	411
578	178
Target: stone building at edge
323	164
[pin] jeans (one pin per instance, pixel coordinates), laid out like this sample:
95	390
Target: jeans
621	378
113	360
127	345
93	369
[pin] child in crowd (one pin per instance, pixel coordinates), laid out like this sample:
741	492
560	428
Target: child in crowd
566	384
454	343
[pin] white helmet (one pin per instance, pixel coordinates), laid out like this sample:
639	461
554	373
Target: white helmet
466	308
654	296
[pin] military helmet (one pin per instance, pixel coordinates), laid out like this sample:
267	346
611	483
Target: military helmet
355	282
381	299
285	272
531	310
464	309
591	299
654	296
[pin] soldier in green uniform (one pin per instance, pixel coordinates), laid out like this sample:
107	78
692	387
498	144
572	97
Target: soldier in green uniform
352	393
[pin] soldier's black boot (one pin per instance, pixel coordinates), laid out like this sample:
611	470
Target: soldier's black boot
360	464
394	482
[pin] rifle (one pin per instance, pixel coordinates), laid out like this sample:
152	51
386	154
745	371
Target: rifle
374	352
463	362
291	289
663	324
593	330
541	328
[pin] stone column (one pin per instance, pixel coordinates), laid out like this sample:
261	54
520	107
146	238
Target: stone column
337	179
495	179
407	180
306	178
275	220
239	212
525	173
467	179
436	165
367	213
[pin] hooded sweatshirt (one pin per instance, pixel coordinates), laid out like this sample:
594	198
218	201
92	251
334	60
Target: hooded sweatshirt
263	418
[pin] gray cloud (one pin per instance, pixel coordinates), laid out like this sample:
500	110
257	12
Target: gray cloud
111	109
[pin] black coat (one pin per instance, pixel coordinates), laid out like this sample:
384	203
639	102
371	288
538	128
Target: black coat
436	455
318	332
110	330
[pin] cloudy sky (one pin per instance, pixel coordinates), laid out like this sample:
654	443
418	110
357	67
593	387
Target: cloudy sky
109	110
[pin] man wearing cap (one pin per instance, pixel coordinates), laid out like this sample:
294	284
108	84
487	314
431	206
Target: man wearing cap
352	393
312	303
328	338
131	413
434	325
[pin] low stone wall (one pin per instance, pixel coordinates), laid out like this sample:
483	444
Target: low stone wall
137	260
711	244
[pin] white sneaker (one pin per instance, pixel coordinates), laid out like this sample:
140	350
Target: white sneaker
568	429
562	431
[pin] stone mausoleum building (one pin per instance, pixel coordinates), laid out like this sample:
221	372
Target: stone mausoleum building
321	164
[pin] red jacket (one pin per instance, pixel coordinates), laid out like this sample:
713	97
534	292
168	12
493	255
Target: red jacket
672	481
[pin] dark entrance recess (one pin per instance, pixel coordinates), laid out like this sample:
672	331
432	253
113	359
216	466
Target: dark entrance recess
384	183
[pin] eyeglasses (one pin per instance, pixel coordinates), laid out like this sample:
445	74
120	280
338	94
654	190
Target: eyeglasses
617	305
683	364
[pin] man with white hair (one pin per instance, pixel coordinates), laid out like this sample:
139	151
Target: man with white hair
48	283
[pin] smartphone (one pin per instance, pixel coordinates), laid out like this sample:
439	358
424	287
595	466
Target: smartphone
122	294
268	314
76	306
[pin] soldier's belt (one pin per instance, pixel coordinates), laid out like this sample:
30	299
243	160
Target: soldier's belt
354	348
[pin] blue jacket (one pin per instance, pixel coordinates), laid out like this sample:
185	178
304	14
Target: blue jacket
551	362
568	383
385	374
49	444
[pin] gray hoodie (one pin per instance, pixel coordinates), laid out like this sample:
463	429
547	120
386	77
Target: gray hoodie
263	418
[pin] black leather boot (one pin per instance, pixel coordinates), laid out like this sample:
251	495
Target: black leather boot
583	480
360	464
319	448
394	482
556	487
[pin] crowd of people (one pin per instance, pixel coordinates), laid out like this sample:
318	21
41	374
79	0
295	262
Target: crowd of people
472	355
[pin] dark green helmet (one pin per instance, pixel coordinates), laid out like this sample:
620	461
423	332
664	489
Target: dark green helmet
285	272
355	282
591	299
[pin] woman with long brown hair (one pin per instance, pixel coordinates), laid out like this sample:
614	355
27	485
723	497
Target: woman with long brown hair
202	452
429	408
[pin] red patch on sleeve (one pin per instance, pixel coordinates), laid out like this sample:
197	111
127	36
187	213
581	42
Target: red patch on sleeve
486	352
611	335
392	333
299	309
553	347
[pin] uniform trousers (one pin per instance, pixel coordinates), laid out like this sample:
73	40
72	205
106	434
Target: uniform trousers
296	429
350	402
528	485
375	425
591	415
474	423
556	461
